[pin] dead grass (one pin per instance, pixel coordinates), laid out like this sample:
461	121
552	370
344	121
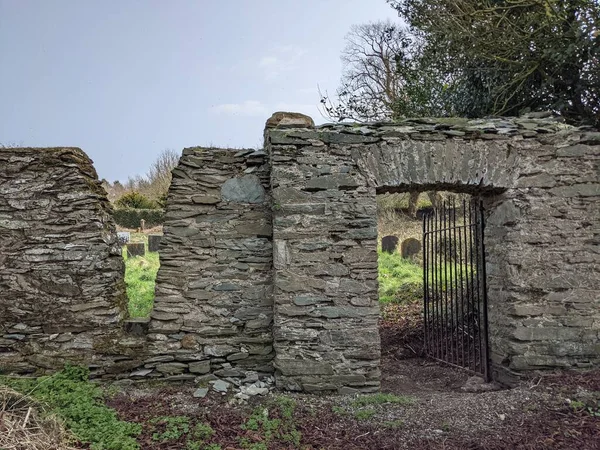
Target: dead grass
25	426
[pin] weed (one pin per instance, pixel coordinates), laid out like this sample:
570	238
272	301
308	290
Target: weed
394	424
78	403
364	414
445	427
339	411
592	408
380	398
286	405
202	431
173	428
269	428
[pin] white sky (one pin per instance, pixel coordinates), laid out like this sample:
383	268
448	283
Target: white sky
125	79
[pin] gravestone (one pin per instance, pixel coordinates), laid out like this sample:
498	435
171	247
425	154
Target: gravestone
136	249
123	237
142	224
154	242
410	247
389	244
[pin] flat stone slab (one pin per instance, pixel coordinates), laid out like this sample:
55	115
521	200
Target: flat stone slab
246	189
200	392
220	386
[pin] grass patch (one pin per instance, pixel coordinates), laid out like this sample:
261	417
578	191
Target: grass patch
393	424
78	403
364	414
140	277
400	280
380	399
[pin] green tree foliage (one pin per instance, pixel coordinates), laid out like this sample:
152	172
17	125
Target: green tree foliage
504	57
135	200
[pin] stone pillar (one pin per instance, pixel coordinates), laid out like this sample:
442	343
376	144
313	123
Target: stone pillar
325	255
62	295
214	305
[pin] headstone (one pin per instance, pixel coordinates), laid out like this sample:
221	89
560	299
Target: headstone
410	247
389	244
154	242
142	224
123	237
136	249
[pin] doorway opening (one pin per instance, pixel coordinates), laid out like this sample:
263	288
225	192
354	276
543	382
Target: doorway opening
432	288
454	286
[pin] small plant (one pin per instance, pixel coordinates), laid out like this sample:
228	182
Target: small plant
270	427
202	431
591	408
78	403
380	399
364	414
394	424
173	428
339	411
445	427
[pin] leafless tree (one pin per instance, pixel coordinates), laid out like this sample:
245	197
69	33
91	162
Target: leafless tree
154	185
159	174
371	82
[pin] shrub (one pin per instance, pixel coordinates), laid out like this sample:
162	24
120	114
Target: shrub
130	218
135	200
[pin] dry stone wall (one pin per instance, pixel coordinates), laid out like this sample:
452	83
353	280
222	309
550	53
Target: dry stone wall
540	184
269	262
61	272
214	307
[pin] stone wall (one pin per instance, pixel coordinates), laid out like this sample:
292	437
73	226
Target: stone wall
214	307
269	261
61	272
540	183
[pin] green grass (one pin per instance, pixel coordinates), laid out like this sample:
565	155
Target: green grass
380	399
69	395
364	414
400	280
140	276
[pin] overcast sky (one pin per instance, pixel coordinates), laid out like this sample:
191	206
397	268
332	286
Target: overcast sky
125	79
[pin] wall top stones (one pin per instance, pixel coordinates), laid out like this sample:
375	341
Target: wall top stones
542	126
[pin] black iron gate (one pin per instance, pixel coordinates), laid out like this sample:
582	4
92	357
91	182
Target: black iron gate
455	313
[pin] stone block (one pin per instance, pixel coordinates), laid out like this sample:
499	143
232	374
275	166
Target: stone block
245	189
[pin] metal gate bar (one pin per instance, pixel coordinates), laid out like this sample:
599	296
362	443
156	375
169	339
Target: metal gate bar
455	292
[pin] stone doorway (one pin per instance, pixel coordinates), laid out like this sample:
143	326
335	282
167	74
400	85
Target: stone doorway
430	244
